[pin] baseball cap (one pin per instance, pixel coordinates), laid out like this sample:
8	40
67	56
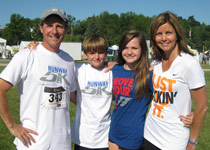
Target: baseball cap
54	11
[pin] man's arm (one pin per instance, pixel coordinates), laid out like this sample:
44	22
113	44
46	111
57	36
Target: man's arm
15	129
200	97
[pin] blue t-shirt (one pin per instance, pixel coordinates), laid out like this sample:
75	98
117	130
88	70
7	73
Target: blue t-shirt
128	117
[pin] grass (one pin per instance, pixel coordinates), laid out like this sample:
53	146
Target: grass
6	139
205	66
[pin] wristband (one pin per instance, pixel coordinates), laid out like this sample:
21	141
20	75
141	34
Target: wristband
193	143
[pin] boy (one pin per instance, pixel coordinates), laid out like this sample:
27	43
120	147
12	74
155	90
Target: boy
93	97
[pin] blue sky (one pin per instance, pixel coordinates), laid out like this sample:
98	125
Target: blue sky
82	9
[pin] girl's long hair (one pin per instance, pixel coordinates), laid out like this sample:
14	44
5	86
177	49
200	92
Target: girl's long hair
141	69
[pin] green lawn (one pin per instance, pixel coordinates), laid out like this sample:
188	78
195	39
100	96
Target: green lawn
6	138
205	66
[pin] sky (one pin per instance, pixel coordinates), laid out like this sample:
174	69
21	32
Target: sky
82	9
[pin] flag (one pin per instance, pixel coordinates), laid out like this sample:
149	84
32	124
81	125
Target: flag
190	33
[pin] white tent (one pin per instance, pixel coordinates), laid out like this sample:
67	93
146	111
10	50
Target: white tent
9	48
72	48
207	52
196	54
113	48
150	52
3	47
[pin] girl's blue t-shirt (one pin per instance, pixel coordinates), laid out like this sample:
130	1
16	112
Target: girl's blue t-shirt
128	116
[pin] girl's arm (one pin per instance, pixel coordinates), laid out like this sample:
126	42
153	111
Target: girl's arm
187	120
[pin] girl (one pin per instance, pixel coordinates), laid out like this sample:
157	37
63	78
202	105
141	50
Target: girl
132	90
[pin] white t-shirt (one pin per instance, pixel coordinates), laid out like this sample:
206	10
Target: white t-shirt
94	96
45	80
172	98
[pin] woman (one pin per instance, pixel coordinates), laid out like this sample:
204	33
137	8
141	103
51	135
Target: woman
177	76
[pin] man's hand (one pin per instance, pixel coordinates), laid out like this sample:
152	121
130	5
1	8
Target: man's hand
187	120
23	134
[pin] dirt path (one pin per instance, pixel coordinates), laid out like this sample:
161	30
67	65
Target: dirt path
206	69
3	64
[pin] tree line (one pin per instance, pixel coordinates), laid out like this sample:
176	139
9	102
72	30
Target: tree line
111	26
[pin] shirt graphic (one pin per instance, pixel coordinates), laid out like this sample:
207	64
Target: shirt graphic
55	74
163	94
122	86
96	88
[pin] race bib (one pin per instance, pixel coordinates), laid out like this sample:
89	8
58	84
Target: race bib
54	98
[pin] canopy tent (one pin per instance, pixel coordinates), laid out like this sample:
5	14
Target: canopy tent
3	47
207	52
112	52
196	54
113	48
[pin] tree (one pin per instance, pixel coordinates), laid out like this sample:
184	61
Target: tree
127	22
109	24
35	30
142	24
79	30
17	30
193	22
205	36
93	27
71	24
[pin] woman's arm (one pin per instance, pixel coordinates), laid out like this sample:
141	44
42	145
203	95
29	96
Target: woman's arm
200	97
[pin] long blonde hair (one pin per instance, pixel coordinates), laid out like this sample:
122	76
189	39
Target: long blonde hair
141	69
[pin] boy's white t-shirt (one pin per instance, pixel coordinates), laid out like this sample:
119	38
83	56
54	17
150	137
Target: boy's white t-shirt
94	97
44	80
172	99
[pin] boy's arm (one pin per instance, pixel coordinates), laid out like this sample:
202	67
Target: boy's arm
73	97
15	129
32	45
110	66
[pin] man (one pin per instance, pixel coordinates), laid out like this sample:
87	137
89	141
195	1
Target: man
45	78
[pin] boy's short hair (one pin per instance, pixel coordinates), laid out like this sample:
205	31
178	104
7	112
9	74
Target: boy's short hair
95	43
